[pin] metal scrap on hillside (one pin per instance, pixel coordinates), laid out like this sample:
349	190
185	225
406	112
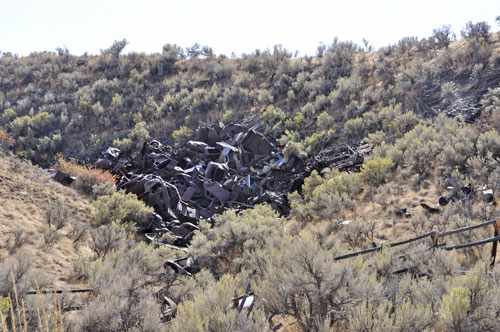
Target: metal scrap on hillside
224	167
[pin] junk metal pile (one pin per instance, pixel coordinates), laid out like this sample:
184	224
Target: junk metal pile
225	167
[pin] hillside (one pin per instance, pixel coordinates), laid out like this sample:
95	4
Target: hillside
354	190
49	100
27	194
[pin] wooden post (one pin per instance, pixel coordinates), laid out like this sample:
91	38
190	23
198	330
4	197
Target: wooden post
495	244
435	240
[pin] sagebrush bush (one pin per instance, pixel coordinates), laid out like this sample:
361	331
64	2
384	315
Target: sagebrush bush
102	189
122	208
182	136
235	237
383	317
107	237
125	301
50	237
327	197
17	276
302	280
212	310
376	171
57	217
273	120
417	150
20	237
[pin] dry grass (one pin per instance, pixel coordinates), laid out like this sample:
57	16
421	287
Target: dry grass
26	193
18	319
379	206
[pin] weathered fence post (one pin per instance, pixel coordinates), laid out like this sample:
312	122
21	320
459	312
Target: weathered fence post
435	241
495	244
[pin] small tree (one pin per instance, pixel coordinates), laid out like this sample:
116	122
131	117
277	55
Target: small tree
443	36
57	217
115	49
107	238
479	32
305	282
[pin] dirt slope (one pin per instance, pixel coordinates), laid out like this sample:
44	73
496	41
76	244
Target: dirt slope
26	193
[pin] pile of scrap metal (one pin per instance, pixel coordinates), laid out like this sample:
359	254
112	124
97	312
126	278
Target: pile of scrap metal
224	167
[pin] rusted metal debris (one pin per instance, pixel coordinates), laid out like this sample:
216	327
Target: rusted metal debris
457	194
242	301
63	178
180	266
429	209
169	309
403	213
466	193
224	167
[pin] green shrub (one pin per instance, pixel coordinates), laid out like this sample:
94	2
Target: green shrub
354	128
417	149
490	102
304	272
383	317
235	237
324	121
318	140
103	189
212	310
273	121
107	237
402	124
296	149
121	208
7	116
459	143
376	171
135	139
376	138
125	301
327	197
182	136
454	306
229	117
488	144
